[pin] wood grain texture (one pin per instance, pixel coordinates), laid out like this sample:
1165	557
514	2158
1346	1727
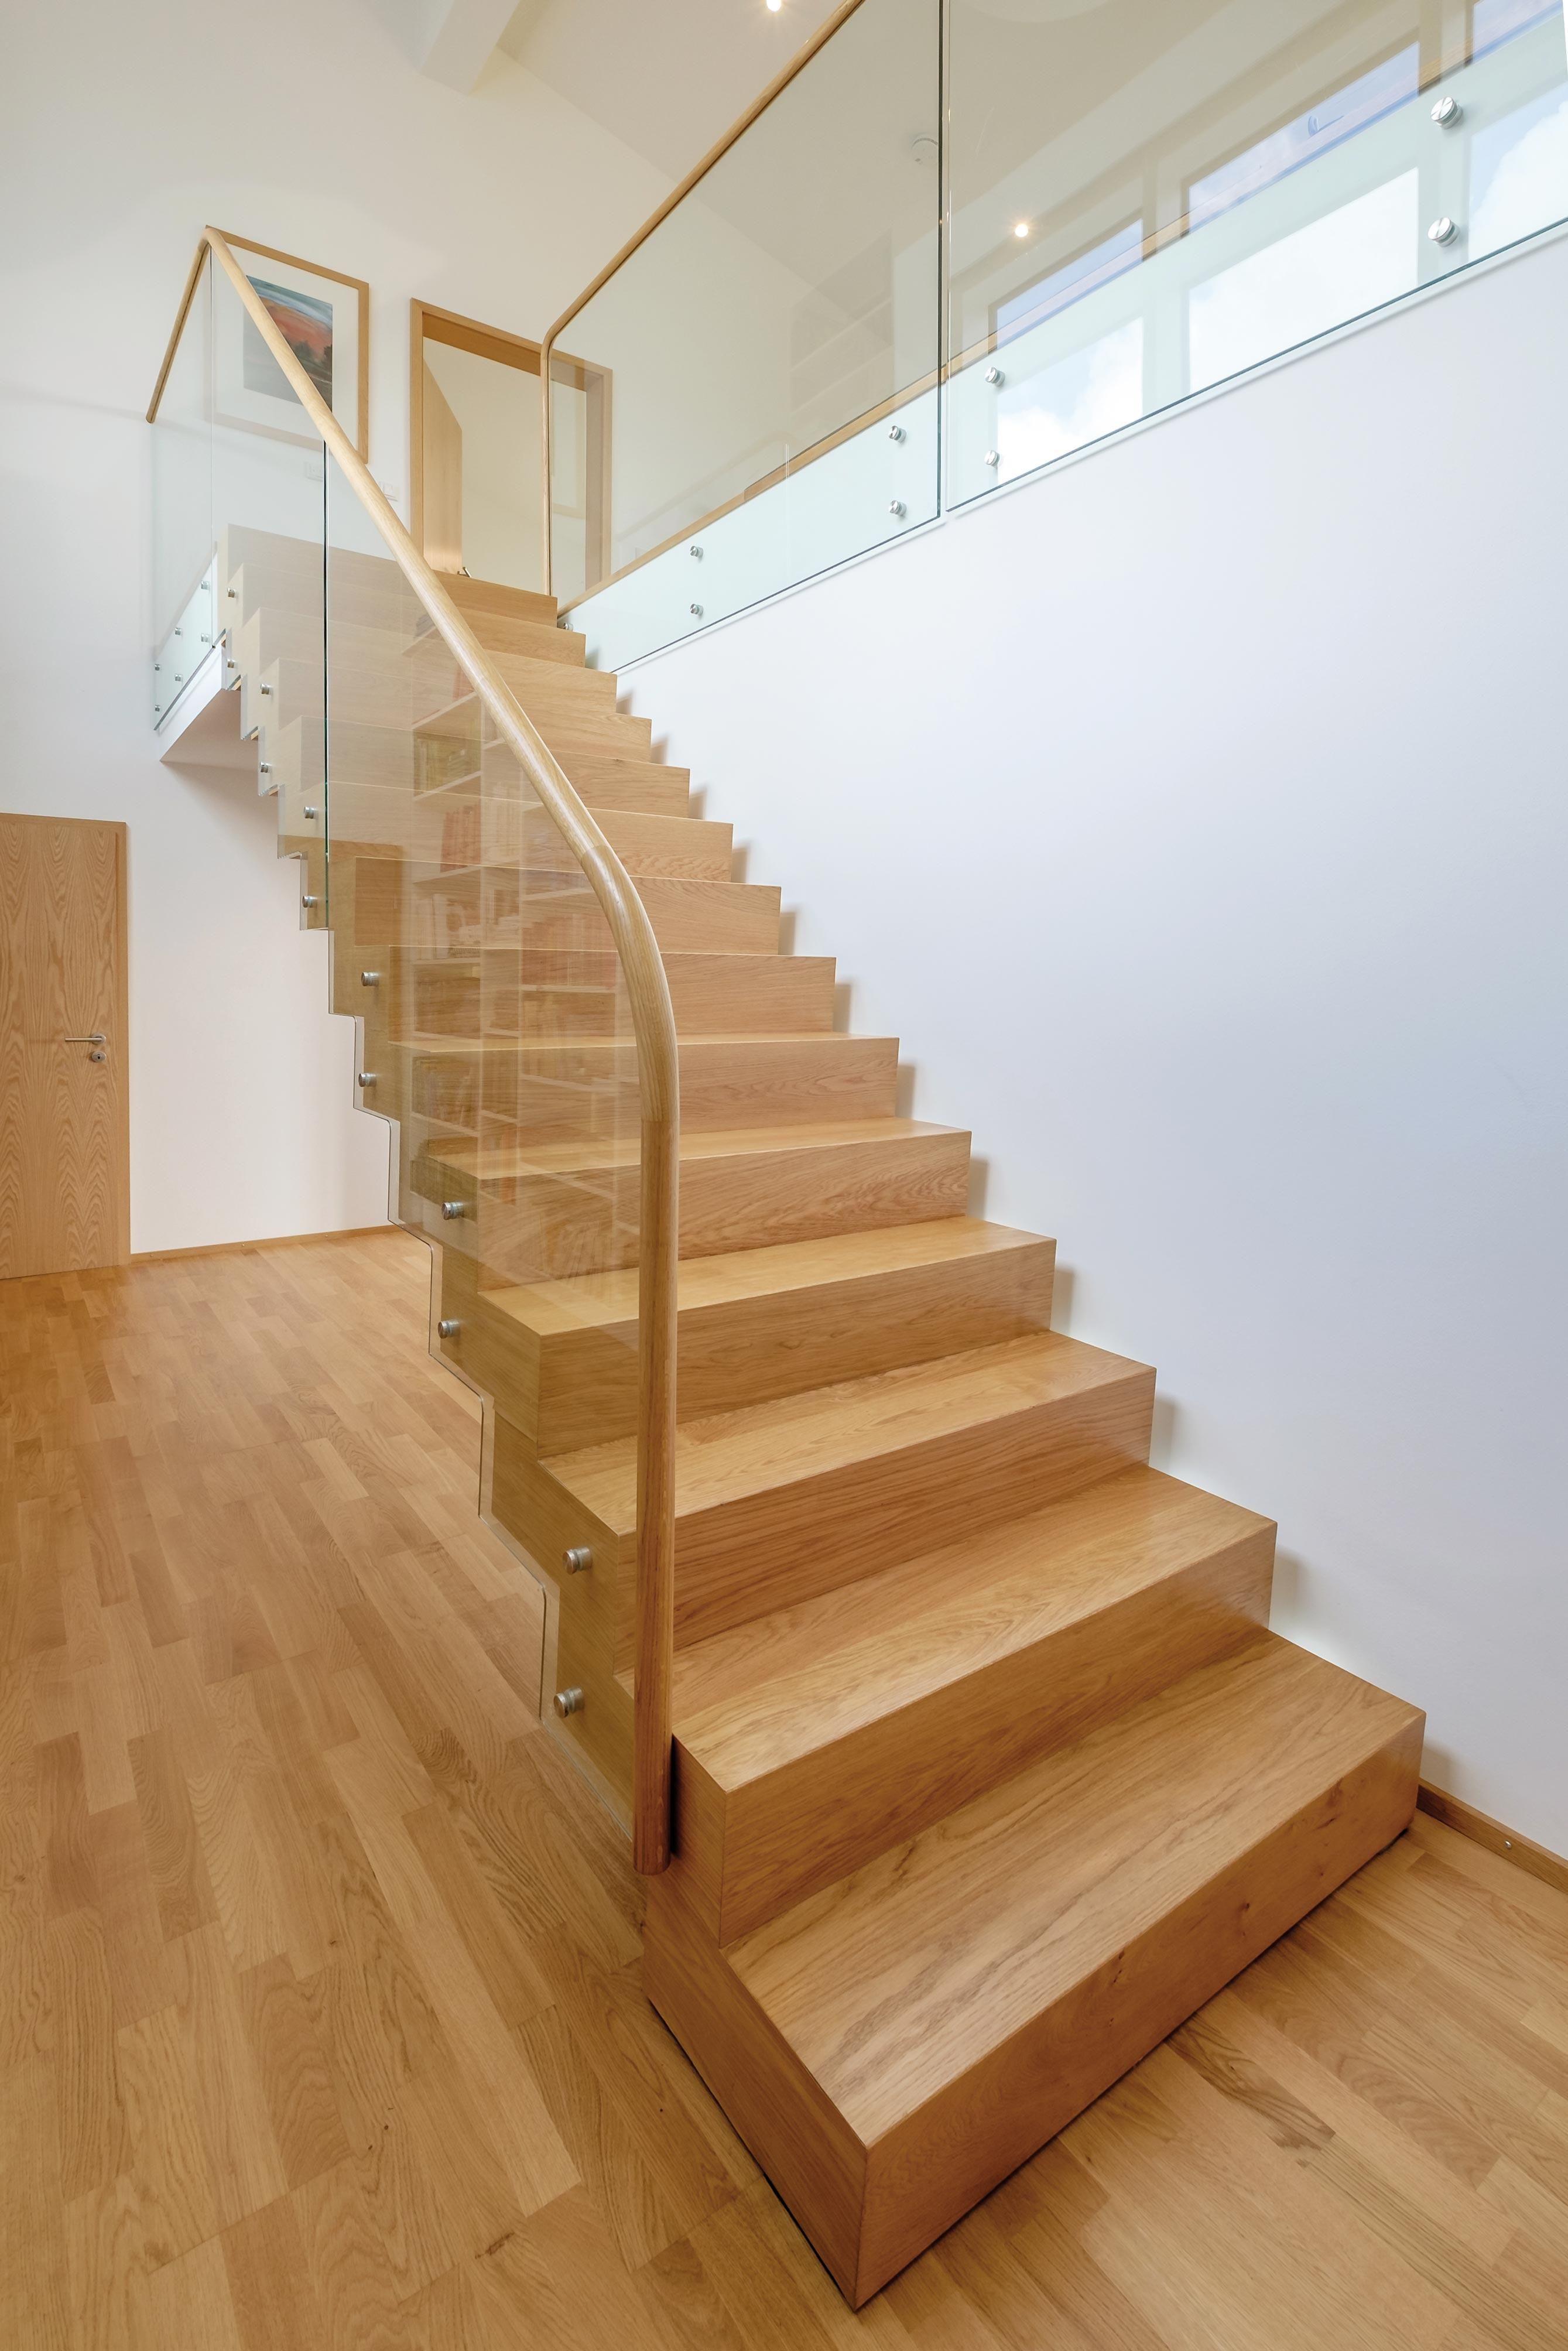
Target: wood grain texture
627	919
65	1199
962	1998
1360	2140
812	1739
539	1085
741	1187
756	1323
780	1500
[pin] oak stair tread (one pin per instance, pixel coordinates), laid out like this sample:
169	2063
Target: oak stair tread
608	1301
485	1164
751	1699
608	1048
763	1446
900	1979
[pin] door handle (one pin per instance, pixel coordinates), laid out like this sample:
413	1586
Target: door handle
96	1038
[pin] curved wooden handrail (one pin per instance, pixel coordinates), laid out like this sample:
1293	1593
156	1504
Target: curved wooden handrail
658	1072
737	129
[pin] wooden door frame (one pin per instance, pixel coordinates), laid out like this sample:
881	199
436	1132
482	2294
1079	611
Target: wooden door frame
121	1169
428	323
594	383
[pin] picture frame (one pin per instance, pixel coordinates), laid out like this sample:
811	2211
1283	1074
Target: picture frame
324	315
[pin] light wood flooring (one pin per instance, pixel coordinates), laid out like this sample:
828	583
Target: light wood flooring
320	2020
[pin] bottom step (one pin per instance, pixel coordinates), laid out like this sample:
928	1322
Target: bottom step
894	2045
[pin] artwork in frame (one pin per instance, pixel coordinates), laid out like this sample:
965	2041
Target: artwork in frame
324	317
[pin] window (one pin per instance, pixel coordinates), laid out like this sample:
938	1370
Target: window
1068	284
1492	22
1359	104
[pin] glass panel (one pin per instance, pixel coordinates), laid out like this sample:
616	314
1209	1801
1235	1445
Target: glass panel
1147	198
267	490
481	466
758	381
237	490
498	1039
184	624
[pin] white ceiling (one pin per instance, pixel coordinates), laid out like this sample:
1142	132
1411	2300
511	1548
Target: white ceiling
668	77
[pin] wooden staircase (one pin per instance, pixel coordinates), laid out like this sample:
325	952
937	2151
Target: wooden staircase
988	1772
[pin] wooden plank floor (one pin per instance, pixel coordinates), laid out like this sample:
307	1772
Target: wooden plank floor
319	2015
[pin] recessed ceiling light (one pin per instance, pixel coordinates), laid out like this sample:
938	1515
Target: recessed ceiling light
774	6
1020	228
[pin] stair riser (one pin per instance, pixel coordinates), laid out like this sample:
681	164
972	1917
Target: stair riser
546	1229
721	995
760	994
720	917
754	1852
546	691
555	1092
629	783
683	847
499	634
741	1202
434	677
748	1349
600	734
404	688
452	828
369	811
794	1540
380	748
717	917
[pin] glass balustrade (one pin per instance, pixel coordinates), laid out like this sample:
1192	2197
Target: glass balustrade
753	395
498	1039
1146	201
1142	201
497	1031
238	553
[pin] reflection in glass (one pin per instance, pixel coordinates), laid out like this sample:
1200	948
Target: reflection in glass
1061	288
1518	173
1333	268
765	354
1147	199
1338	117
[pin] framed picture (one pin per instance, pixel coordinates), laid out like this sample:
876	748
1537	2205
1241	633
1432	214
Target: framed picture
324	317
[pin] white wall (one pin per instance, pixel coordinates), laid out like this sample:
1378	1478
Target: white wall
305	126
1198	816
497	413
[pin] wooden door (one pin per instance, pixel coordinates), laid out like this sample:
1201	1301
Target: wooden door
64	1146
